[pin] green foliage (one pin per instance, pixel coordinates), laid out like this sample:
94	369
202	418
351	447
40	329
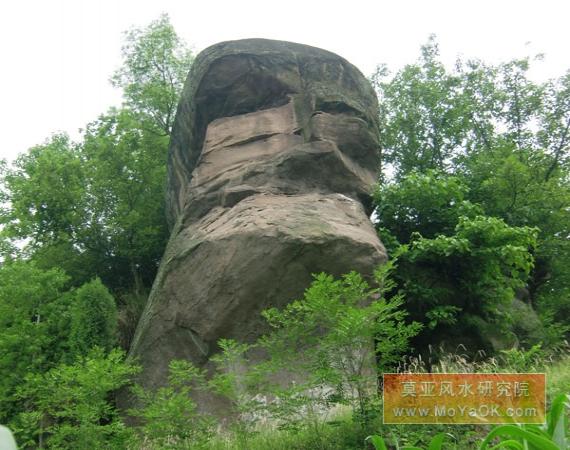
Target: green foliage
456	264
93	319
127	169
476	271
442	314
551	436
34	322
43	324
423	114
341	434
523	360
502	141
45	190
155	65
435	444
236	378
87	215
433	118
170	417
68	406
326	340
558	377
96	208
428	203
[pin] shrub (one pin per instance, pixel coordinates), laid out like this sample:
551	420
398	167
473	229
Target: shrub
170	417
68	407
333	340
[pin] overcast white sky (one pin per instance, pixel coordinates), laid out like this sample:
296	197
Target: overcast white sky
57	55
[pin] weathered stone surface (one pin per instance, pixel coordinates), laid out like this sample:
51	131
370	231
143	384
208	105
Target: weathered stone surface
272	159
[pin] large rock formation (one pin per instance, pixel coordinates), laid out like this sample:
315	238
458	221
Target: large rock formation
272	159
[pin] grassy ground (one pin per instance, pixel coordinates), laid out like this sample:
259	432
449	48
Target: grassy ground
344	434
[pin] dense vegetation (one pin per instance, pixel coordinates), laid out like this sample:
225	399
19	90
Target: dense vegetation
479	197
473	205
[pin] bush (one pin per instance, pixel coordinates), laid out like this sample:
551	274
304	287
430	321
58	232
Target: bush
94	319
170	417
332	342
69	407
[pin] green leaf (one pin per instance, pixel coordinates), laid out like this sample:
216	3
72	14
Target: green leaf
516	432
437	441
377	442
556	420
510	443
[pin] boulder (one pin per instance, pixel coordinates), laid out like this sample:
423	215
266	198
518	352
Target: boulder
272	159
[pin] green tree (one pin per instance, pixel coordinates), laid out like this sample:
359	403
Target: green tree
457	266
422	113
127	172
34	324
96	208
554	134
155	65
79	219
93	319
502	136
45	191
43	323
429	203
434	118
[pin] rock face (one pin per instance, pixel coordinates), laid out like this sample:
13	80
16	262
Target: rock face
273	155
